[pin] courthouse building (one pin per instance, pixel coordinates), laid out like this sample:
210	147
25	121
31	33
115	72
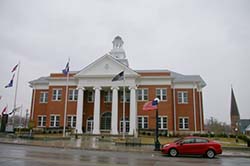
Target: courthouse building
95	103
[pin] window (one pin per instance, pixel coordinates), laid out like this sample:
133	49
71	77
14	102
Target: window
57	94
182	97
71	121
162	122
161	93
43	97
126	125
91	96
142	94
73	94
127	96
143	122
188	141
106	121
199	140
108	96
41	121
183	123
54	120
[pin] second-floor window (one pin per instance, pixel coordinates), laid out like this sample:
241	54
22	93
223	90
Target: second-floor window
73	94
161	93
43	97
91	96
142	94
182	97
127	96
108	96
57	95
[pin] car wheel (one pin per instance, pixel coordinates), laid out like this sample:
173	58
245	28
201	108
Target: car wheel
210	154
173	152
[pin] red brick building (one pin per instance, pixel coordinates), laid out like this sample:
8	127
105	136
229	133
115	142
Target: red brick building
95	103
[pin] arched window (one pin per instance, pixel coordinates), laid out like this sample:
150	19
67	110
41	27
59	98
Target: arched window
106	121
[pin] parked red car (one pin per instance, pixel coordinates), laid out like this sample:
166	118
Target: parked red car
192	146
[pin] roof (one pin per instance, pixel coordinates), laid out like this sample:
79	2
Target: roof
177	77
234	108
243	124
41	80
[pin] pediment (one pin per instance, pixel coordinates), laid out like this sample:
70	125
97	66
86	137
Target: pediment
106	66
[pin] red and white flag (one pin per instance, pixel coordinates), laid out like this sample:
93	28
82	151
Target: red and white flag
150	105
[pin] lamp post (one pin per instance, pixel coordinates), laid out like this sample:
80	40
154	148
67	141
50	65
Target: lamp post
236	135
157	143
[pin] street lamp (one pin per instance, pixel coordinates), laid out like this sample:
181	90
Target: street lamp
236	135
157	143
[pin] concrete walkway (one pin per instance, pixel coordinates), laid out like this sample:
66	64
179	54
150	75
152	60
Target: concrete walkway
105	144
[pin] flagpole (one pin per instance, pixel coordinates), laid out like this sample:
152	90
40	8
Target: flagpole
18	70
123	110
66	103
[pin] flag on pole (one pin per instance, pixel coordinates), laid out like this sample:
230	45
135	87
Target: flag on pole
10	84
119	77
66	70
14	68
150	105
5	109
15	109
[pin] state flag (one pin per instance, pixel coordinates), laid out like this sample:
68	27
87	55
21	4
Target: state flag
66	70
10	84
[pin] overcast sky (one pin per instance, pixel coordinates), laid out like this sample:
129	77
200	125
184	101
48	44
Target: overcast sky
210	38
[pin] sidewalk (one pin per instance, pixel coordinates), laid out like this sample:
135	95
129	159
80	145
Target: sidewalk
105	144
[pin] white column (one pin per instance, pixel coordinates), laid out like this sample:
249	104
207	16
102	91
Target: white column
194	105
174	110
79	110
114	122
133	112
96	129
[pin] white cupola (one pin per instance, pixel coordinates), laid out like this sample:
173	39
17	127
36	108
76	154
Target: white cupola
118	52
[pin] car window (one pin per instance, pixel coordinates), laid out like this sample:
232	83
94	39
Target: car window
188	141
200	140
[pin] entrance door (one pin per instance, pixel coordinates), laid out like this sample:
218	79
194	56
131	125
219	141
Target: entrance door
126	124
106	121
90	125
